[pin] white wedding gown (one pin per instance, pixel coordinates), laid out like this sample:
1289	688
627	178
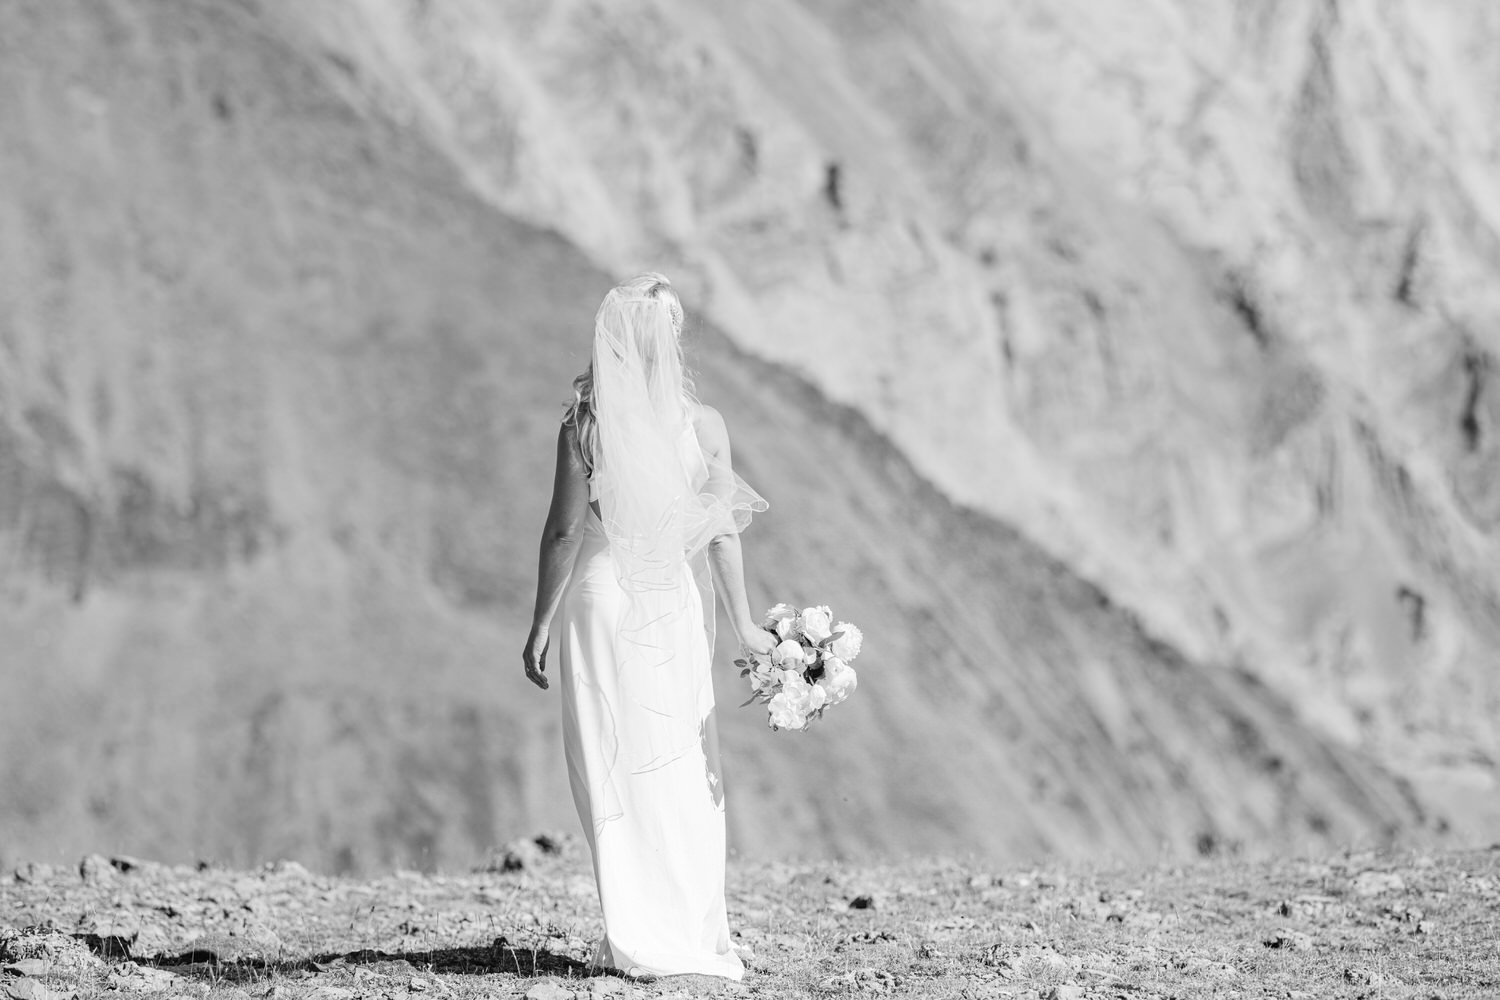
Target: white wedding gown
643	764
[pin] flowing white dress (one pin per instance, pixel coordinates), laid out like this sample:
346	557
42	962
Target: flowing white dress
642	761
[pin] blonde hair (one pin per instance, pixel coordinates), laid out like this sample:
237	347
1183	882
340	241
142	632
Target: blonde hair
580	413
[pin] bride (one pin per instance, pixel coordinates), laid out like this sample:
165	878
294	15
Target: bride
645	520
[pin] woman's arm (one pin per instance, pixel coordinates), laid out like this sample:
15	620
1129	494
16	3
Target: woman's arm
560	538
727	560
725	556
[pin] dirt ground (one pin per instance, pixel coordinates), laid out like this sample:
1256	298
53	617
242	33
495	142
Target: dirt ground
1357	925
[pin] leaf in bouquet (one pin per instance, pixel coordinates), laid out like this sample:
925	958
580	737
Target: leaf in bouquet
742	662
751	700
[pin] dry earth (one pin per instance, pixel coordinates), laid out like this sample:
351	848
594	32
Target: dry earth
1356	925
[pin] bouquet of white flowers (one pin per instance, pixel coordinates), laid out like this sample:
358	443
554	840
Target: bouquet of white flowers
808	671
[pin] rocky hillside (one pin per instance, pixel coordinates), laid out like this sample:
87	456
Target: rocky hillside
1196	296
1090	383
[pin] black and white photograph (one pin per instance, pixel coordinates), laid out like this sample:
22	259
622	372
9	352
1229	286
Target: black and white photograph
767	499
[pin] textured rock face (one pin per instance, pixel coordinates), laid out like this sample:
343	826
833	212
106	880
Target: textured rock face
290	294
1196	296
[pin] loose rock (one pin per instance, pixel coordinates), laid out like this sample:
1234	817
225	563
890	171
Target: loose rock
95	868
866	980
141	979
30	989
330	993
289	869
1290	940
31	872
1375	883
27	967
1364	977
61	952
527	852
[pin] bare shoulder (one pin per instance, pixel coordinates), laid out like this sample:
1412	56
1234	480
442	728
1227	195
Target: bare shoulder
713	435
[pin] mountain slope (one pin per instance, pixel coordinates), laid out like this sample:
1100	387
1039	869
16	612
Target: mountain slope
1210	281
278	384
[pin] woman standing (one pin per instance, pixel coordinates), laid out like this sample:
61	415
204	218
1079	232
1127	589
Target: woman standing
645	519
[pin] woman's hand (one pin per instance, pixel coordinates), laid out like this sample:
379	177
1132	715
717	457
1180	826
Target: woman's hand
757	641
535	657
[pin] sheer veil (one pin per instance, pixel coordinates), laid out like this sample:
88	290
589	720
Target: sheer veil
662	500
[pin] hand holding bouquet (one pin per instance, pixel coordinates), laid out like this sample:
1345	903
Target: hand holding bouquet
808	670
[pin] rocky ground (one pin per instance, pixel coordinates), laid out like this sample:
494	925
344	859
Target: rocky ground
1358	925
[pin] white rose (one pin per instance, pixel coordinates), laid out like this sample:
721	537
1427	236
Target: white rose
784	712
776	614
817	697
847	646
789	651
817	623
809	696
794	684
789	628
838	680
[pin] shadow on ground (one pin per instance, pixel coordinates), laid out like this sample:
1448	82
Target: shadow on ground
498	958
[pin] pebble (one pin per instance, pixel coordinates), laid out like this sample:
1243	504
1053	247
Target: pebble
32	872
95	868
1064	992
864	980
60	952
1375	883
125	864
526	852
548	991
289	869
27	967
1363	977
330	993
1290	940
28	989
134	978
